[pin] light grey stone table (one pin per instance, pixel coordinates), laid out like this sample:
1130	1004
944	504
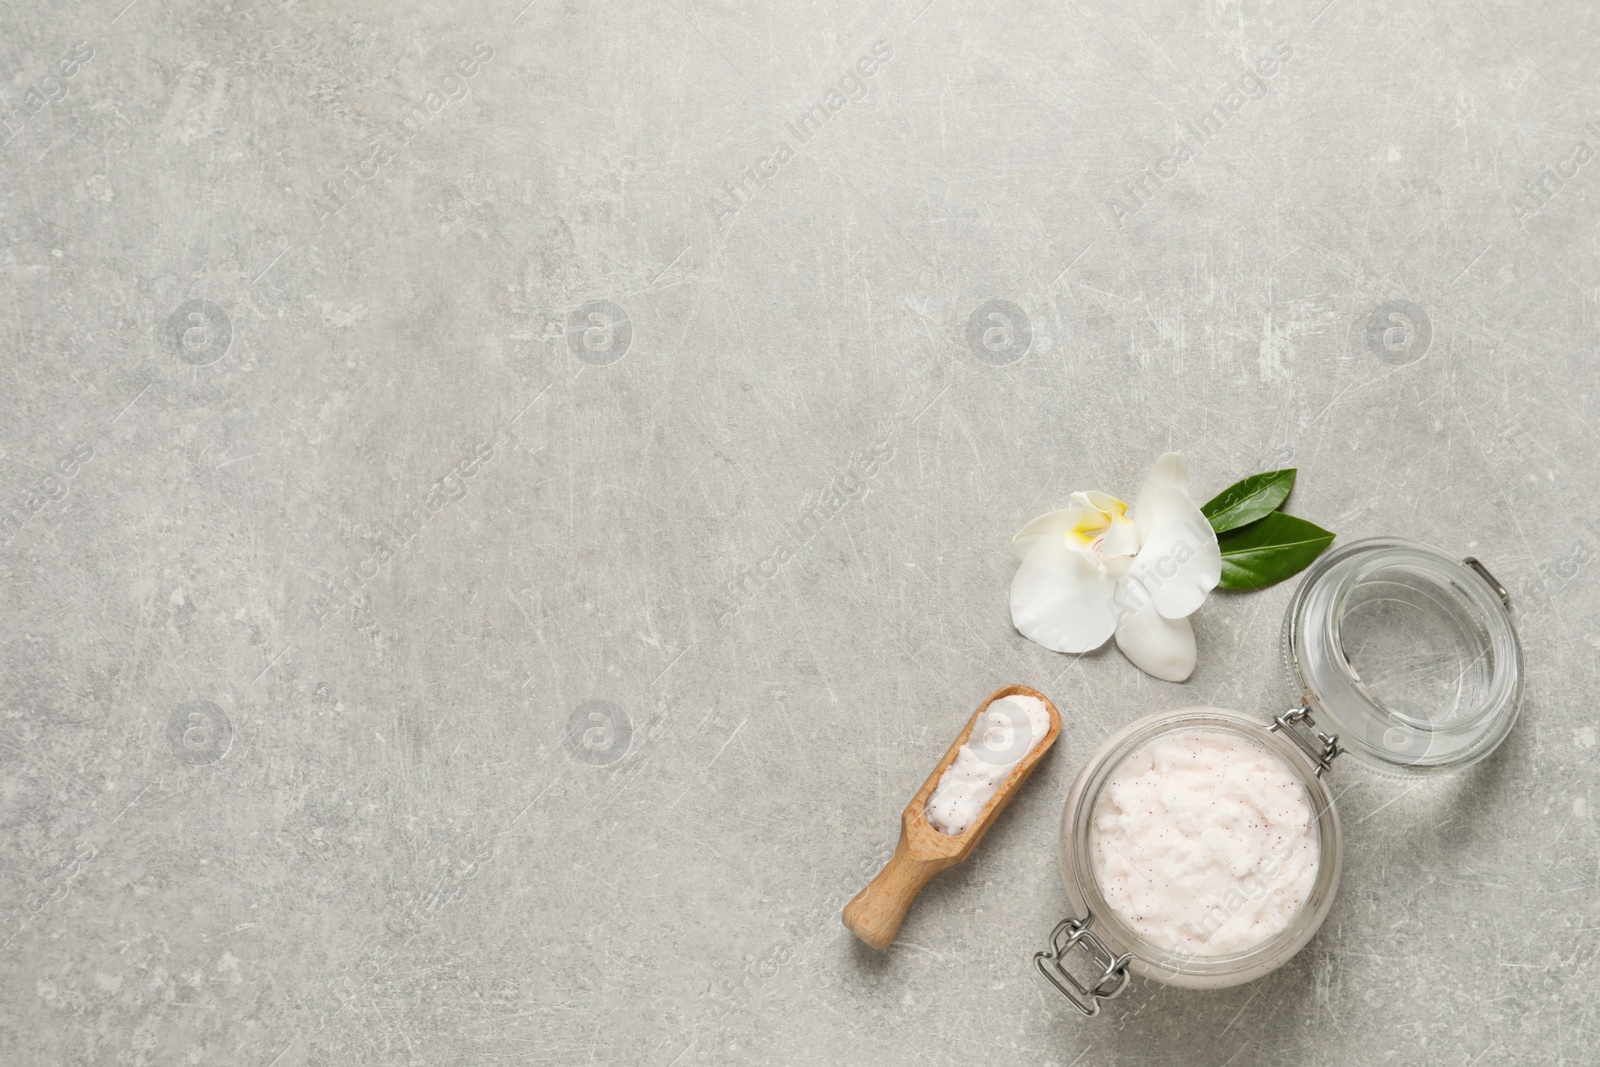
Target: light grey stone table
503	504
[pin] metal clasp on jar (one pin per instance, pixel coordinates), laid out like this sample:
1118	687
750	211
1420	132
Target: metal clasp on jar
1113	977
1494	583
1324	756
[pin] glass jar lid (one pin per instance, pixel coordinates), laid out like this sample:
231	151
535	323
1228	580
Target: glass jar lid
1407	653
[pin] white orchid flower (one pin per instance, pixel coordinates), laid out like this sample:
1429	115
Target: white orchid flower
1098	568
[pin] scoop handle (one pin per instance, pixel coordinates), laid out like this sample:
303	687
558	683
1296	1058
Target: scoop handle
877	911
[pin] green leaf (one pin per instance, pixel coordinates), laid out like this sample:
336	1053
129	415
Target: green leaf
1249	499
1269	550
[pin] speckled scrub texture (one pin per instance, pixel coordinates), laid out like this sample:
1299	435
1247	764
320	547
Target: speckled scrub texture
1006	732
1203	842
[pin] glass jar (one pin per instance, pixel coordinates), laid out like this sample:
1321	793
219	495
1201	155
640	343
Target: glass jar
1408	654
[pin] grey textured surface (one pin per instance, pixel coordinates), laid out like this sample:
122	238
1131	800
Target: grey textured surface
375	685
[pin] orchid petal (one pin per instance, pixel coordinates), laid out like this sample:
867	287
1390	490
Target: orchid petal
1168	470
1159	646
1104	503
1050	524
1061	598
1120	539
1178	561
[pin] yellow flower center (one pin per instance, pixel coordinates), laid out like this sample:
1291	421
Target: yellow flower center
1096	520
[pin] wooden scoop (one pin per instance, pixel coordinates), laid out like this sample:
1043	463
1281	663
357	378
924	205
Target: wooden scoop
877	911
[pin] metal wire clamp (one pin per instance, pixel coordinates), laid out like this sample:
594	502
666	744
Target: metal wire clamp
1113	977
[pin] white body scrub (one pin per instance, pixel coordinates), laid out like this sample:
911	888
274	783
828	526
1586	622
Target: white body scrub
1007	730
1203	842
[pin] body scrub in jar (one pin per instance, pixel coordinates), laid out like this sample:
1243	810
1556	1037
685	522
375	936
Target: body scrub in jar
1200	847
1201	877
1204	842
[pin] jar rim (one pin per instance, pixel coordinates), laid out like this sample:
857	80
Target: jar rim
1455	599
1176	967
